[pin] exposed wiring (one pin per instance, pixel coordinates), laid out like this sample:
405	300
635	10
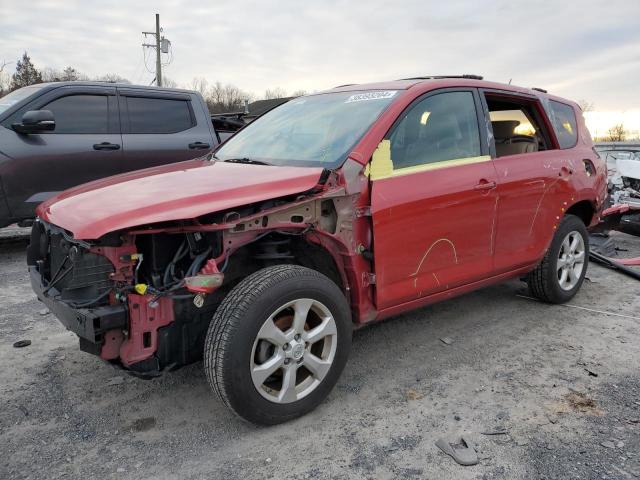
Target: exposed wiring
87	303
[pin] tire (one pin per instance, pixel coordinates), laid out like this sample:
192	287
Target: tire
545	281
242	344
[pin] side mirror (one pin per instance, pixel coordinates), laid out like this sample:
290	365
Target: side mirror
35	121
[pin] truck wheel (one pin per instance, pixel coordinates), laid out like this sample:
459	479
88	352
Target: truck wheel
561	273
278	343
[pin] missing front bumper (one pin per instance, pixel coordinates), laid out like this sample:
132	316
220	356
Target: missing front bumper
90	324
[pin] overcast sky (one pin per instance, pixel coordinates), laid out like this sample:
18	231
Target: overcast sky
582	49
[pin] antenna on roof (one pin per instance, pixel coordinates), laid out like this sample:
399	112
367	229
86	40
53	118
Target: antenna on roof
510	81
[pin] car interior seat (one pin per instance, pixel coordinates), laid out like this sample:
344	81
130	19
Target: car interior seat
510	143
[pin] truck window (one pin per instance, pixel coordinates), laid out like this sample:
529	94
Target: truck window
440	127
158	115
80	114
563	119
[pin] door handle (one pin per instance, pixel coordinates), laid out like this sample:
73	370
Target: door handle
106	146
485	185
198	145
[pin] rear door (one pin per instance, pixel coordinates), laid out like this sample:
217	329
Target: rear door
85	145
530	173
160	128
433	213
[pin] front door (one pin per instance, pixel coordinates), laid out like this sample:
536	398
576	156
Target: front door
85	145
434	210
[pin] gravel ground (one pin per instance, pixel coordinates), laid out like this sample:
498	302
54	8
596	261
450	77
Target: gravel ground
561	384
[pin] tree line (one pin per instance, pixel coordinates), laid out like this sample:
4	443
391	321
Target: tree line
220	97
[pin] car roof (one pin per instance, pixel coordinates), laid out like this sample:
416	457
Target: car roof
52	85
432	82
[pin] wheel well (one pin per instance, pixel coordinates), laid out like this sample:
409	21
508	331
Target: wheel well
279	249
583	210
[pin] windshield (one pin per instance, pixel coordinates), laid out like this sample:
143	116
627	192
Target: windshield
16	96
317	130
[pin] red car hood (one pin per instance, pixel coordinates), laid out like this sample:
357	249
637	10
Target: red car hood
172	192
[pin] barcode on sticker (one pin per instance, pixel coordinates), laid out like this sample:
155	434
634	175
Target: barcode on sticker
362	97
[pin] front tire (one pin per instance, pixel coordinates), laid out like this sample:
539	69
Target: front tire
560	274
278	343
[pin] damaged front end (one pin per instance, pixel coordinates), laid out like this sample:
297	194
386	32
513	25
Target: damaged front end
129	299
143	298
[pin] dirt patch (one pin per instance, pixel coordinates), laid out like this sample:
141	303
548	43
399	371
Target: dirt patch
143	424
575	401
414	395
581	403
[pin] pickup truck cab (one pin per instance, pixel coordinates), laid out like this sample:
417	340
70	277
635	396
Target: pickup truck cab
330	212
54	136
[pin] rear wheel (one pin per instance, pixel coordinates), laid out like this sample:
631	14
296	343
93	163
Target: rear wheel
278	343
561	273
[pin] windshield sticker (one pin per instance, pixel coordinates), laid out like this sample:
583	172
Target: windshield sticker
362	97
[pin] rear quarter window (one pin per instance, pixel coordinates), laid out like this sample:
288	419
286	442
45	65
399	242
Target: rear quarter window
563	119
158	115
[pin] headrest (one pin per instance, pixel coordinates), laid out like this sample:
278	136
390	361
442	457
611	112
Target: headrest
504	128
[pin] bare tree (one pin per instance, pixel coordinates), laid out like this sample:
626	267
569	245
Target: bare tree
5	79
169	82
277	92
200	85
586	105
226	98
617	133
114	78
299	93
51	75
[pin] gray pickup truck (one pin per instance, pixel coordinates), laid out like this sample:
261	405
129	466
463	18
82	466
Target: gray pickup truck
57	135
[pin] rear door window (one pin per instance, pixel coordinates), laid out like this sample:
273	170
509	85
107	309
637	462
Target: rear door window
80	114
563	118
158	115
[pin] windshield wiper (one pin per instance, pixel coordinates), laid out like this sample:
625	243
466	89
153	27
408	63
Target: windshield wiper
246	160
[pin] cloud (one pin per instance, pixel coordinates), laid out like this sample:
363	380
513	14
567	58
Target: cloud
579	51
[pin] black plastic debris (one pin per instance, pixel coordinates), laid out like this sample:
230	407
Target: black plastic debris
607	262
22	343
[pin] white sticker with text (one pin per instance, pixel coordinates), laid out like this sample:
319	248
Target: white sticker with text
362	97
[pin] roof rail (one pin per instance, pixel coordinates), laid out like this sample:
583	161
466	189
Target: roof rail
437	77
539	90
345	85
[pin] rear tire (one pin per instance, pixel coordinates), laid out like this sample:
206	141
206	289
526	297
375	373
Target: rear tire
560	274
278	343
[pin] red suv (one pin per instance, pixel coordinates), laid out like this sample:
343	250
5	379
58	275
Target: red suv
330	212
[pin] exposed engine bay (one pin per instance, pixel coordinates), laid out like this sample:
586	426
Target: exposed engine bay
144	298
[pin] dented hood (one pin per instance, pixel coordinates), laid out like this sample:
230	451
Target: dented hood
172	192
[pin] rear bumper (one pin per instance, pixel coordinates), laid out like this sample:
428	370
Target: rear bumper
90	324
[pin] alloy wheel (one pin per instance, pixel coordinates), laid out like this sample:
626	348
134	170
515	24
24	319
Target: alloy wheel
293	350
571	259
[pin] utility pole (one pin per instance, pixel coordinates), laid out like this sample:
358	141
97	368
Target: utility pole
162	45
158	64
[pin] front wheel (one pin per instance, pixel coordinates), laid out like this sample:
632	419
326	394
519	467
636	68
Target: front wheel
562	270
278	343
